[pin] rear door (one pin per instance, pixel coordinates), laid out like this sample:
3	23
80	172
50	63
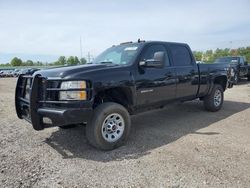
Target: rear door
154	85
186	71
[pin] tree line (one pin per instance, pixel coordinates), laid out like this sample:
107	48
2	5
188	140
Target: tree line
207	56
210	55
62	60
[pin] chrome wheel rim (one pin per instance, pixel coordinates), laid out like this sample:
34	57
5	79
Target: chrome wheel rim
217	98
113	127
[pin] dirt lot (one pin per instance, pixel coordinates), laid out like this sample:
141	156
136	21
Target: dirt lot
180	146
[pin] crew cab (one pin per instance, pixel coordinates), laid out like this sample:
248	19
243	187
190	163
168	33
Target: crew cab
123	80
239	66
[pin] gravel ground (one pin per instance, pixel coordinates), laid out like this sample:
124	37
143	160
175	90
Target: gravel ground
179	146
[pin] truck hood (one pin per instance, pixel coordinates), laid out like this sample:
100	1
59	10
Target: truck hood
63	72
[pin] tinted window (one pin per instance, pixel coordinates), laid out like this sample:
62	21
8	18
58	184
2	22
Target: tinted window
242	61
151	50
181	55
227	60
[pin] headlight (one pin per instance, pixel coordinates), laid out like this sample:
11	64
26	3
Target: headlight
73	95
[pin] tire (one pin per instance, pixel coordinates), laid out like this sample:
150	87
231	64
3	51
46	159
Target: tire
248	78
214	101
109	127
236	79
67	127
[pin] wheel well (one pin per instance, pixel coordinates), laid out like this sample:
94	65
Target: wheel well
119	95
222	80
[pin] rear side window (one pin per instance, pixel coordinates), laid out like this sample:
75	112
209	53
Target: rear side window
181	55
241	60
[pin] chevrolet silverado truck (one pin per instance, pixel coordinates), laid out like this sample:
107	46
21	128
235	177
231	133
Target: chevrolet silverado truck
123	80
239	66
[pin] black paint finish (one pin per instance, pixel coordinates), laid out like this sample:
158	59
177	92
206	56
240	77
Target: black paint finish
143	87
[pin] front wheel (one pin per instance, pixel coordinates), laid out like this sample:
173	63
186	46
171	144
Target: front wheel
213	102
109	127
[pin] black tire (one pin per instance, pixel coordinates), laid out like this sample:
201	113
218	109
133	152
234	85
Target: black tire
94	130
236	79
248	78
210	103
67	127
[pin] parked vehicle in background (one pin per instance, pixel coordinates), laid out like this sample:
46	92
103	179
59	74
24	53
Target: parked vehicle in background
124	80
239	64
6	73
28	71
200	62
10	73
1	73
16	72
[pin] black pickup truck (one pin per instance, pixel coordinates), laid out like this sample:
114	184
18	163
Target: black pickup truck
122	81
239	65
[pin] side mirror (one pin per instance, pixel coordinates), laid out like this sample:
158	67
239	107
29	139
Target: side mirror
157	62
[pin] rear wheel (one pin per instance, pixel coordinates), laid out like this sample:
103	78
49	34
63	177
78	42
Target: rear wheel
248	78
213	102
236	78
109	127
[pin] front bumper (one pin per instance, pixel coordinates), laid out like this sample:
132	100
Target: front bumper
42	112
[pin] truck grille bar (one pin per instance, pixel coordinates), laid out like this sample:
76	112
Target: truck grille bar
34	92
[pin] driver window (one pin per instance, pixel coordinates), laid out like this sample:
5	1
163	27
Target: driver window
151	50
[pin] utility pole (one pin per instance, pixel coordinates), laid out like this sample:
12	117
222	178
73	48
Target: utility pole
81	46
88	57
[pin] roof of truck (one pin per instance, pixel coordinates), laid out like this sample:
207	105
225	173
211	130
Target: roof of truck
148	42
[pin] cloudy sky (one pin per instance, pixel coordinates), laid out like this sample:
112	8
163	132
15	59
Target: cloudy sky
44	30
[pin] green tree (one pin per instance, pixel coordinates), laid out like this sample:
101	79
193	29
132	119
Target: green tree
71	60
198	55
62	60
83	61
208	56
29	63
76	60
38	63
16	62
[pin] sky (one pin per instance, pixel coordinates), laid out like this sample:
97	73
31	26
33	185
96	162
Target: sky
45	30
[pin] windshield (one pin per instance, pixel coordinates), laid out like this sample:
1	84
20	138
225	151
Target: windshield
227	60
120	55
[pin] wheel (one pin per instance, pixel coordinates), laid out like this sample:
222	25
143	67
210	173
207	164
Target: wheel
109	127
67	126
236	79
248	78
213	102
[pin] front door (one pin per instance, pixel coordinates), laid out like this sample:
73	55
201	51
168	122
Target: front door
155	85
